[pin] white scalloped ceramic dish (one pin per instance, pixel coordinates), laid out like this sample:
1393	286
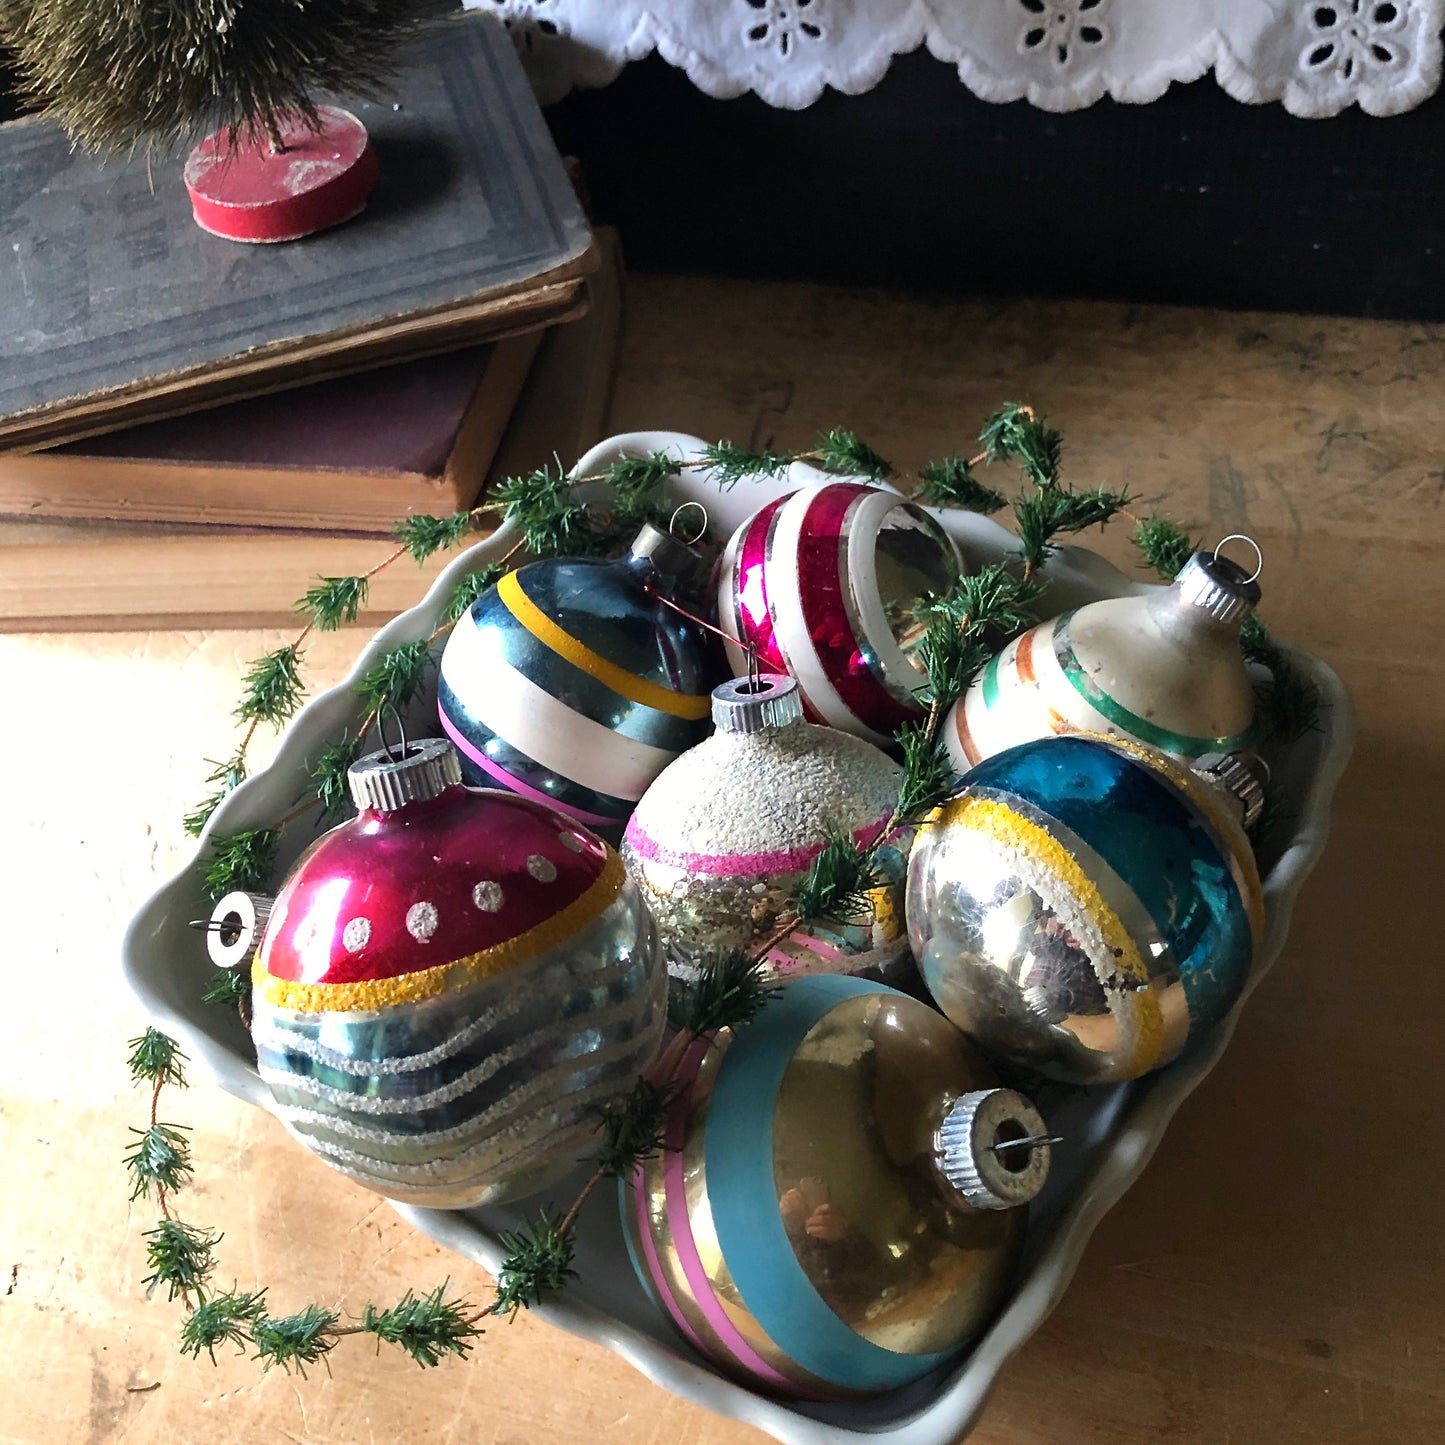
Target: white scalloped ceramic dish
1110	1133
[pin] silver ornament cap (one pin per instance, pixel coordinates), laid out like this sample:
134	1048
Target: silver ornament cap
1230	772
1218	587
390	778
237	922
980	1150
753	704
674	561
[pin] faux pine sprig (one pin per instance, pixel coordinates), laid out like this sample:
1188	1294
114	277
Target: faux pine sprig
950	482
729	990
182	1261
227	776
273	688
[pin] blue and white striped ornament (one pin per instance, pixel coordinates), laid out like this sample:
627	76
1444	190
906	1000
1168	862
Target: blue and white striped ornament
571	683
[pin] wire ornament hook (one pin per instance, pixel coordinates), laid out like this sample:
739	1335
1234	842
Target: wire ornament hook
1258	552
1033	1141
701	532
393	754
749	648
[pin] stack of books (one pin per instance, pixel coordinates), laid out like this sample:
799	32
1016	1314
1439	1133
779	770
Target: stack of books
191	429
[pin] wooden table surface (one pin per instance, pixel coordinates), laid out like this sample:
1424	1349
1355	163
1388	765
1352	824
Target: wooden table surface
1275	1278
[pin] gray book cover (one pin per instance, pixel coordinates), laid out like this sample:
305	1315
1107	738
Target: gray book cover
116	307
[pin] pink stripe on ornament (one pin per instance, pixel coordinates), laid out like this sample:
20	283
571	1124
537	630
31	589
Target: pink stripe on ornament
736	865
654	1265
750	590
787	963
822	561
516	785
680	1223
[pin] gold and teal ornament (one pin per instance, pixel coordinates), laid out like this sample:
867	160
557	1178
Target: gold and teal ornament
1164	669
1085	906
569	682
723	837
451	986
826	585
839	1203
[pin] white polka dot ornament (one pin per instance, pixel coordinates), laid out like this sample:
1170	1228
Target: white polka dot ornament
451	985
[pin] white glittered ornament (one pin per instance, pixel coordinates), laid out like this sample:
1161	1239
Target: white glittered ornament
722	838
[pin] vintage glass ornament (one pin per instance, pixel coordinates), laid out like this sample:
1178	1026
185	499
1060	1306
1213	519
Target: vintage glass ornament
832	1214
1164	669
1084	906
719	842
451	985
825	585
568	683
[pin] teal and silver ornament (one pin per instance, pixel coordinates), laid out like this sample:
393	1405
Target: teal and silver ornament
1085	906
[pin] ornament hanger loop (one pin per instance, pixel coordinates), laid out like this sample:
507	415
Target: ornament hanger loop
403	751
1258	554
701	531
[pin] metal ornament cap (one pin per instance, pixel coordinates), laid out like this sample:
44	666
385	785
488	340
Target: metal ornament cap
1230	772
1218	587
237	923
673	560
989	1178
751	705
390	778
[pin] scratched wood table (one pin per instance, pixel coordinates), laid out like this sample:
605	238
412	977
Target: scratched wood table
1277	1274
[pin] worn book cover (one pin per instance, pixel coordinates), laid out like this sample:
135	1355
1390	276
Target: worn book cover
83	576
115	307
353	453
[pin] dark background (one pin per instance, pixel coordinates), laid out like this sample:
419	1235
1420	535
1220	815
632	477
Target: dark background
1195	198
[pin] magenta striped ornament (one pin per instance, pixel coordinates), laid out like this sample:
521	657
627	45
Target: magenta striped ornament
825	584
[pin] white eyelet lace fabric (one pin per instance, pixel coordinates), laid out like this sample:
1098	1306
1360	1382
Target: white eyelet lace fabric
1316	57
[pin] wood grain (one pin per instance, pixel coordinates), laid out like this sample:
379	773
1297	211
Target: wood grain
1274	1278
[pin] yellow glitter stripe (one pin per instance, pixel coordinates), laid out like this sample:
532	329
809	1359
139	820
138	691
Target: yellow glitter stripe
1205	797
429	982
628	684
996	820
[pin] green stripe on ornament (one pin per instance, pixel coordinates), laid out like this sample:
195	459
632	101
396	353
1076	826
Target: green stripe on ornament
1184	744
990	681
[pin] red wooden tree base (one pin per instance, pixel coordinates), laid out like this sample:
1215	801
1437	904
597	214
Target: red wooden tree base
251	193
